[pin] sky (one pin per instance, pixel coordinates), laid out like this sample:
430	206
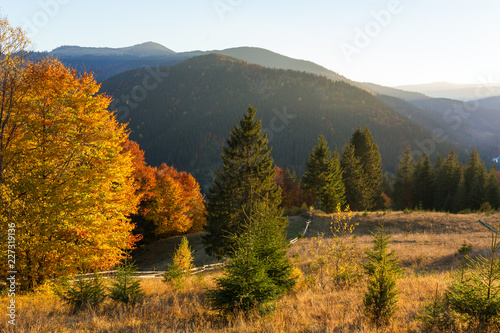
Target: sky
389	42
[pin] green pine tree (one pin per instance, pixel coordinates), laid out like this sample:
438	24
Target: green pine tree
259	271
247	174
492	194
368	153
379	251
323	177
368	158
476	294
402	195
474	181
357	195
333	191
459	202
84	293
423	183
447	179
381	298
126	288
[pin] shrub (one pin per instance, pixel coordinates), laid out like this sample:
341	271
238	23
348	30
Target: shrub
337	259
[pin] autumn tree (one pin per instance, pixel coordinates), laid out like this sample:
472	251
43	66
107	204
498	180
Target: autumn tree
247	175
13	86
145	179
290	189
70	186
177	205
171	201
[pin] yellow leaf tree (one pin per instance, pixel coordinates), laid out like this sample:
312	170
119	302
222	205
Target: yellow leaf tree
68	185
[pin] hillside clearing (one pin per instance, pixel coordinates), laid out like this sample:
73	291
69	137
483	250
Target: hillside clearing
425	243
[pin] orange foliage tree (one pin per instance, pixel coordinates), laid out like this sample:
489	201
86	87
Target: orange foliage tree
177	206
171	202
144	174
66	186
291	193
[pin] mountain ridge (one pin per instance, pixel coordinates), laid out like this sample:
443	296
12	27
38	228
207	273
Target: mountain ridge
141	50
186	118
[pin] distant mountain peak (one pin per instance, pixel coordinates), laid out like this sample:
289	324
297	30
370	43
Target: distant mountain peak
140	50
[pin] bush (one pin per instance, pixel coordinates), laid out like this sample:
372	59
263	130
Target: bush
84	293
126	288
337	259
486	208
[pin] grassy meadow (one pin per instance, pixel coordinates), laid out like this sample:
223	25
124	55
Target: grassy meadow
425	243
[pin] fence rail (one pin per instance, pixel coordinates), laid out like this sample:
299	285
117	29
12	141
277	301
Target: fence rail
159	274
293	241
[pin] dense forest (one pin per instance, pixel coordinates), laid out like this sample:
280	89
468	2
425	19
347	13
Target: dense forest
181	114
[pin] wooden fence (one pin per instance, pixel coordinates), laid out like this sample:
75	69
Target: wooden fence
159	274
293	241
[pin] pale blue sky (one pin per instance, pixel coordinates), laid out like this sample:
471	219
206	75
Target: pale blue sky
389	42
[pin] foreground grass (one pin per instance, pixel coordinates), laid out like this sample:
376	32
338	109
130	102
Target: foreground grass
426	244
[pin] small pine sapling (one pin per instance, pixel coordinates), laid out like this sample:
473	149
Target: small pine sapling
381	299
84	293
475	293
126	288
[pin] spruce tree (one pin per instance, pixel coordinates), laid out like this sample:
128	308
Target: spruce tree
333	192
403	196
126	288
366	150
492	194
259	271
446	182
381	298
357	195
247	174
423	183
476	295
474	181
323	177
459	202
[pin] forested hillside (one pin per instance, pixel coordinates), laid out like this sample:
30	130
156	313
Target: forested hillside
181	114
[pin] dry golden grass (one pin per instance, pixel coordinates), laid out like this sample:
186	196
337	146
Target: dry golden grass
426	244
